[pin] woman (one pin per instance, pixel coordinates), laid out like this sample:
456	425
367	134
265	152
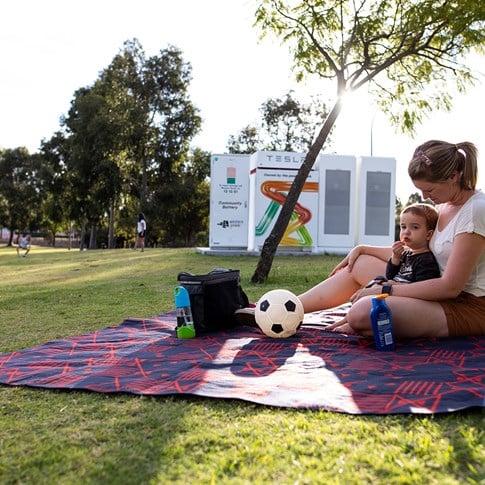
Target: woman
454	303
141	228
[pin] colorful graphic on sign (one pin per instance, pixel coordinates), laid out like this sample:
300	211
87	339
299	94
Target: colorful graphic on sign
231	175
276	191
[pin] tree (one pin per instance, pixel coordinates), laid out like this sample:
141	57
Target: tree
290	125
151	95
182	207
128	136
20	190
246	141
56	206
416	198
286	125
406	52
92	163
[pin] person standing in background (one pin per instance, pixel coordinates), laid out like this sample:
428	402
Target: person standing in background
141	229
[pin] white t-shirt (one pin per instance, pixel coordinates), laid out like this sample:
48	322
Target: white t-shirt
471	219
141	226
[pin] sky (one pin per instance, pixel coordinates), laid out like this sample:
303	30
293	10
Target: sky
51	48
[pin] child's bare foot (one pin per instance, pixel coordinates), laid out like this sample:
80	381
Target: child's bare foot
342	326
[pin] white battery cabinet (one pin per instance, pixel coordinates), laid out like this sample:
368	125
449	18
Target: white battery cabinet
346	200
377	200
337	225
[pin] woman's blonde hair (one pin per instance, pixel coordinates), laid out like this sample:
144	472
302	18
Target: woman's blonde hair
436	161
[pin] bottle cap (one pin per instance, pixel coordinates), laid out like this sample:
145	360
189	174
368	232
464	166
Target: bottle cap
381	296
186	331
182	298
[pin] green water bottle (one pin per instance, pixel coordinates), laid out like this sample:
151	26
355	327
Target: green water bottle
185	322
381	318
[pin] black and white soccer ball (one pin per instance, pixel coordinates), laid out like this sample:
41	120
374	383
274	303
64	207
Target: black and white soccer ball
279	313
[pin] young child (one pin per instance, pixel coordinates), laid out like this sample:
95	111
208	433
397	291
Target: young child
411	258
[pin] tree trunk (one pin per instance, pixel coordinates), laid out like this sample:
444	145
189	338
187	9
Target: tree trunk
271	243
70	237
144	180
10	237
111	226
92	237
83	236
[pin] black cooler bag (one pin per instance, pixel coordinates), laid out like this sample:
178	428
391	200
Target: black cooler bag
214	297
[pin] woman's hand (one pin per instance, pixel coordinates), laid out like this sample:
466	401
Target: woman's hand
373	290
348	261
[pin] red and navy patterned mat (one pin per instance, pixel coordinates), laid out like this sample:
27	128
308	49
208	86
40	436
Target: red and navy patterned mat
313	369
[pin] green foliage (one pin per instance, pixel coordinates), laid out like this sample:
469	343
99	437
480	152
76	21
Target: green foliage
246	141
123	147
130	132
181	209
408	52
416	198
57	200
286	125
20	189
70	437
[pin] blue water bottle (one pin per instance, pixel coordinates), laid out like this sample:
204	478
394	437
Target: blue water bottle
185	322
381	318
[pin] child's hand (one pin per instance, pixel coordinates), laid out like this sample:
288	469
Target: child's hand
397	250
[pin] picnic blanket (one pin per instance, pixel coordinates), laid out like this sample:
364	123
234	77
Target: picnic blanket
313	369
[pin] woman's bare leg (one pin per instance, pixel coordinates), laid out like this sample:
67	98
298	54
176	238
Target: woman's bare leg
411	318
338	289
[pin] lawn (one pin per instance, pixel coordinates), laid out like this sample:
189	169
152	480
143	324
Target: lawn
68	437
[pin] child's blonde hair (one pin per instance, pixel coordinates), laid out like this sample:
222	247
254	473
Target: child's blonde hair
427	211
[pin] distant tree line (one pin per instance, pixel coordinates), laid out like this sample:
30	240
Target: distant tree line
124	147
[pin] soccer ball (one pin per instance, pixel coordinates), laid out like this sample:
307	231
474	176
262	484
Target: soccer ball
279	313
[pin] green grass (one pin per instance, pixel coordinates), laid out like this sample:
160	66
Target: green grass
68	437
